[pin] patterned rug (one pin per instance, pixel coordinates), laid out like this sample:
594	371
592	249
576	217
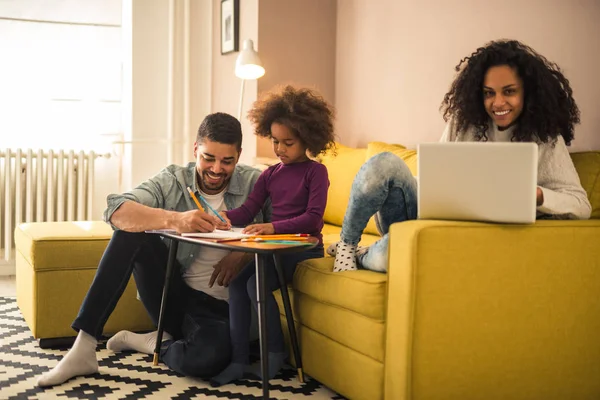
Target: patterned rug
125	375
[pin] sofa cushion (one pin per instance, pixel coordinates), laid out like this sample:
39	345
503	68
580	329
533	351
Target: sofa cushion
341	167
409	156
62	245
587	165
363	292
344	326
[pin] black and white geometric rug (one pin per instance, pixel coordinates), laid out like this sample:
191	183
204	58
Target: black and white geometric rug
123	375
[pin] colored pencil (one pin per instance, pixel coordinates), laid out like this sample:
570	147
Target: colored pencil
207	205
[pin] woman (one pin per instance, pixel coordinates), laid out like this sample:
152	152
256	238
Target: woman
504	91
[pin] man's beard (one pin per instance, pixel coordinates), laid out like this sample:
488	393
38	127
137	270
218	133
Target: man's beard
213	186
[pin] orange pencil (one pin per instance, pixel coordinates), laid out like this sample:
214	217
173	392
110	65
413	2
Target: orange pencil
196	200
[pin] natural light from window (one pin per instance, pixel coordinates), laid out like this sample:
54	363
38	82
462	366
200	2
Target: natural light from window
60	73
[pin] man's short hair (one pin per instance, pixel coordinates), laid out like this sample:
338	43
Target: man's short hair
221	128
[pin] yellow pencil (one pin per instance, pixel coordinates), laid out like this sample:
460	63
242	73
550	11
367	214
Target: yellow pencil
196	200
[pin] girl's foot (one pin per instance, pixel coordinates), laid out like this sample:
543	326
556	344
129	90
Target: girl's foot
232	372
276	363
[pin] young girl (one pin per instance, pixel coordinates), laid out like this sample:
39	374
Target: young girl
298	121
504	92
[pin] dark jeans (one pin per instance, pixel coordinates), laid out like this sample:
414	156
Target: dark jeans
198	322
242	293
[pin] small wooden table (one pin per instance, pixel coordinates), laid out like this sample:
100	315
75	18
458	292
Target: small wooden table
261	251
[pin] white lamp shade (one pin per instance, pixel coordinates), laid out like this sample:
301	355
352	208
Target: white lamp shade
248	65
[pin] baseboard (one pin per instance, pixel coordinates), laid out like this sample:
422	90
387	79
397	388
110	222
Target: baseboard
7	268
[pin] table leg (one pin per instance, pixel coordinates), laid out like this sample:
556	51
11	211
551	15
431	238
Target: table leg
170	263
261	290
289	315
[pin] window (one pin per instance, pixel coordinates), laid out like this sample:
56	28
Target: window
60	73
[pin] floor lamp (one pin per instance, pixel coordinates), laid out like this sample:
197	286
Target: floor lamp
247	66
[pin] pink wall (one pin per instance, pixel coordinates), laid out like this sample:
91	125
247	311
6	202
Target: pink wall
225	85
295	51
395	60
295	40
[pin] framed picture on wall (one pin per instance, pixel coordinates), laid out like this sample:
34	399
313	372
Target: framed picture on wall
230	25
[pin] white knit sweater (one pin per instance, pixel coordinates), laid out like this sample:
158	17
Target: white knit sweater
557	177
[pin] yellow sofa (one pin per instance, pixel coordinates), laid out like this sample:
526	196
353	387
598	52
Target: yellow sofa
466	311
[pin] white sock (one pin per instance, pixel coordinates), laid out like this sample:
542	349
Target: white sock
140	342
332	249
80	360
345	257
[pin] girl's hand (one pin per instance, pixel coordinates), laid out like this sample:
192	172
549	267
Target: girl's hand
225	226
259	229
539	197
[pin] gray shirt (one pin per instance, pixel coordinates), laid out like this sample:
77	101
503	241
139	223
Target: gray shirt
168	190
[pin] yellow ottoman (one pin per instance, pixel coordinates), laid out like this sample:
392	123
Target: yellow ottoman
55	265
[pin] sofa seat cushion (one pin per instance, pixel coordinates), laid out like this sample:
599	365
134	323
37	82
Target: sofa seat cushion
362	292
62	245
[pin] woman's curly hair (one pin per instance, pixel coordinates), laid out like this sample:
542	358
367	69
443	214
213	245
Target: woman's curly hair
549	108
303	111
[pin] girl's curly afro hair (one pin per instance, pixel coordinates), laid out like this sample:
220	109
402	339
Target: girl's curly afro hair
303	111
549	107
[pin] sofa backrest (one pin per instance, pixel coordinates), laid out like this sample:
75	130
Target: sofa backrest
343	167
587	165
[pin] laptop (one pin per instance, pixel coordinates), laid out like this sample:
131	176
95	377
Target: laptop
478	181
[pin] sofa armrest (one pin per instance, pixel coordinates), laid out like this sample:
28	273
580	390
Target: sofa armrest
481	310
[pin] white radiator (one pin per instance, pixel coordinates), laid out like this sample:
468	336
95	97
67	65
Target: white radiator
43	186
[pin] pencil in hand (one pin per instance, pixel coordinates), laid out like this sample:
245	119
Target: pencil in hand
193	196
207	205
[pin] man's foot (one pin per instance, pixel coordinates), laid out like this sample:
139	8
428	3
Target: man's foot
80	360
276	363
345	257
232	372
140	342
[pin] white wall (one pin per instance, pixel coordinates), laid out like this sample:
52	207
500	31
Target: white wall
395	60
166	84
296	52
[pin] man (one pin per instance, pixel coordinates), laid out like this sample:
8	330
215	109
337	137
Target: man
196	327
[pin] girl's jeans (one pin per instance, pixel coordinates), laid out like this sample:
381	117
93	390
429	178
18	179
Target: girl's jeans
383	185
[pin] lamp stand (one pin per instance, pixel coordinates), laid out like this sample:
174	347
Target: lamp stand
241	100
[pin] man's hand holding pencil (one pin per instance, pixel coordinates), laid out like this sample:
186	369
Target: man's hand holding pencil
192	221
219	221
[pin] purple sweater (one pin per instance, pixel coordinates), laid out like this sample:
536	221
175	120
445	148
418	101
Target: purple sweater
298	195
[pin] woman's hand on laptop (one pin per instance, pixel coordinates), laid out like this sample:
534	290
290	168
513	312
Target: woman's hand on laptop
539	196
